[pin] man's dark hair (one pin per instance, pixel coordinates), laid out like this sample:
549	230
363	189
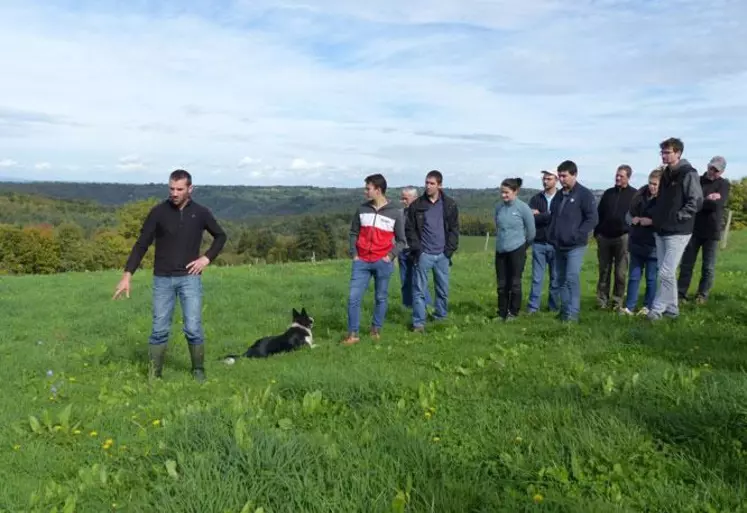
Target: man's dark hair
628	170
569	166
437	175
180	174
377	181
674	144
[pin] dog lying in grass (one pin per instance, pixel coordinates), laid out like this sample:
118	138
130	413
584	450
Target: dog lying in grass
296	336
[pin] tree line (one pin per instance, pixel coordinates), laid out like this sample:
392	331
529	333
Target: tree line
43	235
105	237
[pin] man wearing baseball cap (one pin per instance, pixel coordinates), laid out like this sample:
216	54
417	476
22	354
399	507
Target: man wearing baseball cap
543	253
706	232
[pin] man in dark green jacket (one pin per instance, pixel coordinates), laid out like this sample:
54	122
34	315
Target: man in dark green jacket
679	200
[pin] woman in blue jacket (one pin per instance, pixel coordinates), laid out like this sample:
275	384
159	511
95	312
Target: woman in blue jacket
515	230
642	246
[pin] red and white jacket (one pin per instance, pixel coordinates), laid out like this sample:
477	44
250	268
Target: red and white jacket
375	234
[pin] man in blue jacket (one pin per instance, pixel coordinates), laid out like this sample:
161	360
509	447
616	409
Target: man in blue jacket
574	216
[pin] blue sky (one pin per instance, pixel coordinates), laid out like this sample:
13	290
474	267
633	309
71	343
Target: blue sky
324	92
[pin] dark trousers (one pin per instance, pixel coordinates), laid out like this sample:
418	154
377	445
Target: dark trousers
708	266
509	268
612	251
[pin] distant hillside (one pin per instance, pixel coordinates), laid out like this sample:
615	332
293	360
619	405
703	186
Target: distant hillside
23	209
245	203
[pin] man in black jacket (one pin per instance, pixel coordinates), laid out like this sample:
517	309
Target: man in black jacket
432	231
176	225
543	254
611	234
706	232
680	198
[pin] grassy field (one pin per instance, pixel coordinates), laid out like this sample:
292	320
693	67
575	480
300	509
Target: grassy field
612	414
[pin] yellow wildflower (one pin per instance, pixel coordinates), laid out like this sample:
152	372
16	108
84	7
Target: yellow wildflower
427	415
94	433
157	422
107	445
76	431
538	498
436	439
16	447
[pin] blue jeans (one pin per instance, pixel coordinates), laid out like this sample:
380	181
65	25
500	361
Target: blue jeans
439	266
407	279
360	276
568	264
543	255
669	251
165	291
638	265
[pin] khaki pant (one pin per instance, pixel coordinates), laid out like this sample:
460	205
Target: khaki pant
612	251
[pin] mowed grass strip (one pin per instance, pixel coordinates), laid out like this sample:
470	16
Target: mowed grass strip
612	414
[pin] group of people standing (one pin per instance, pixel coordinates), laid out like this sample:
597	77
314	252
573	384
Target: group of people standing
648	232
640	232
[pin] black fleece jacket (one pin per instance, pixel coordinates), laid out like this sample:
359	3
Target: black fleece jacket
612	209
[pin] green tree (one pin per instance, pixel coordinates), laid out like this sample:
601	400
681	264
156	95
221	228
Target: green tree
38	252
131	216
738	203
74	248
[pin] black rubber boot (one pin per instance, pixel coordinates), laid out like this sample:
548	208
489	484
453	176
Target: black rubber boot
156	354
197	353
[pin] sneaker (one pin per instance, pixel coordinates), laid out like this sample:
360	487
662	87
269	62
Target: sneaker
375	334
700	300
624	311
350	340
653	316
643	311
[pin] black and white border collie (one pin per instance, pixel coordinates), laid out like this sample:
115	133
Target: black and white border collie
296	336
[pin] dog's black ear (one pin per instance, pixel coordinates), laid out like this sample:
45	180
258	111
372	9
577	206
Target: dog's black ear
295	313
303	312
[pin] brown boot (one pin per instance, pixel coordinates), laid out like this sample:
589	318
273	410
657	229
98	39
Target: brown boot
351	339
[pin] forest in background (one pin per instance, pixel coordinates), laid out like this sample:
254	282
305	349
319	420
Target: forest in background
50	227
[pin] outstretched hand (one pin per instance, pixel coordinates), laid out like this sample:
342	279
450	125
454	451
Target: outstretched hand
196	266
122	286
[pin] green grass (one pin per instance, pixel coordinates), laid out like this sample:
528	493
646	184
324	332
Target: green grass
612	414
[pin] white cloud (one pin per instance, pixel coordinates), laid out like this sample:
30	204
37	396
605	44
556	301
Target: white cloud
131	163
480	90
249	161
303	164
8	163
42	165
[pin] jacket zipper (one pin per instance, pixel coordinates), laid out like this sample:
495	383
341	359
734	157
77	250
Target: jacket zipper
370	233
